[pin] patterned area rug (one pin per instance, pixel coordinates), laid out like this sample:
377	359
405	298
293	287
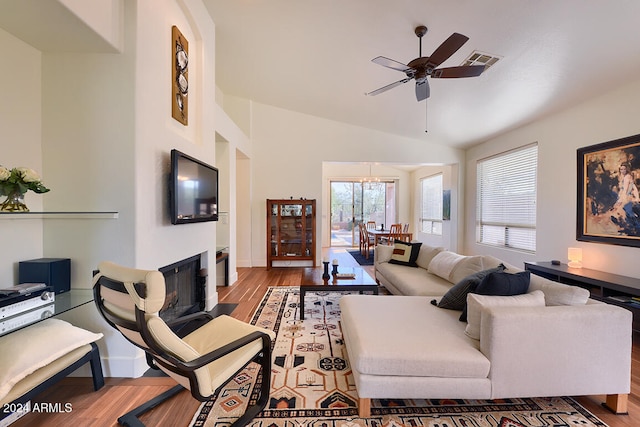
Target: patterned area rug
312	384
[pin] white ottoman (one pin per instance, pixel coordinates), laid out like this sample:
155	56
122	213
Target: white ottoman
404	347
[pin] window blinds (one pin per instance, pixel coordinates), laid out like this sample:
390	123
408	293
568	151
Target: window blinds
431	212
506	208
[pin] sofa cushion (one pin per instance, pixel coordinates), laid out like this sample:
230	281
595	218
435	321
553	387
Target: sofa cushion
443	263
379	342
476	303
426	254
456	297
41	375
411	281
489	261
382	253
557	293
554	293
29	349
468	265
405	253
501	284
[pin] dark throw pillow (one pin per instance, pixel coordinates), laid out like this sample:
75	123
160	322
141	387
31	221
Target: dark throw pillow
405	253
501	284
456	297
504	284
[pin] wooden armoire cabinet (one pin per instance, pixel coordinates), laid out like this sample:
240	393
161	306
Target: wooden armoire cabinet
291	232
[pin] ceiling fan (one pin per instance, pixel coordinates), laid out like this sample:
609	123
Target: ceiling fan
425	66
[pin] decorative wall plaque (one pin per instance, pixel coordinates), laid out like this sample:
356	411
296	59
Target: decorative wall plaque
179	76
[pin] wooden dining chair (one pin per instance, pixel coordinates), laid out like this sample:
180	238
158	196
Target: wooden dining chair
361	237
368	242
395	232
371	225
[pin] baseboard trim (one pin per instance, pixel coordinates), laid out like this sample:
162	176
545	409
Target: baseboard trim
125	367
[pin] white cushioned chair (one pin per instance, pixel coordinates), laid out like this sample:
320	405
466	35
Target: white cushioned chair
202	361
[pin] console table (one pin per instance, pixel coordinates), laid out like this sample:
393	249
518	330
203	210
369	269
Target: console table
607	287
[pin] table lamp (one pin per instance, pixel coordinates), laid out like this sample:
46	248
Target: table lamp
575	257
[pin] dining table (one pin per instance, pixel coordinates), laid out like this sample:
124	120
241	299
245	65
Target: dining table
385	233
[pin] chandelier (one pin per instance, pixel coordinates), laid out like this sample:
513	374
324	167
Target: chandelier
369	179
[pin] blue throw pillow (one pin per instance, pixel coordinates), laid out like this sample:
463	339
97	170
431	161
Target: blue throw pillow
504	284
456	297
501	284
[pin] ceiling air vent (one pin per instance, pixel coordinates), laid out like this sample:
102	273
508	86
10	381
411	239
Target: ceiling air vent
481	58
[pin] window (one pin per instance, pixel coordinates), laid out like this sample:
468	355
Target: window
431	211
506	208
354	202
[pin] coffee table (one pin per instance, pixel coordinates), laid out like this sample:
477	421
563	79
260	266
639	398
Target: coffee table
312	282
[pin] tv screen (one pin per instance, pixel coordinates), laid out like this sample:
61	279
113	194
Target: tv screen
193	190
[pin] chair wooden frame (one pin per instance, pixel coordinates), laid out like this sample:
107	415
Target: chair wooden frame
361	238
156	355
395	233
367	241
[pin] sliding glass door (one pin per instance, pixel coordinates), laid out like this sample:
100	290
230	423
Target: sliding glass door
355	202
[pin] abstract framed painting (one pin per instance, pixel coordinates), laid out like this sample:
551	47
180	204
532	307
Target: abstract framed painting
446	205
179	76
608	208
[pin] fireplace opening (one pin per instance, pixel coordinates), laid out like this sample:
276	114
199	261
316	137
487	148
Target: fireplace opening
185	283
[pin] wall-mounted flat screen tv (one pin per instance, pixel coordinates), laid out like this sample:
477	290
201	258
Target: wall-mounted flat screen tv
193	190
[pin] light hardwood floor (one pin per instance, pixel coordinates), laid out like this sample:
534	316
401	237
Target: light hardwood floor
119	395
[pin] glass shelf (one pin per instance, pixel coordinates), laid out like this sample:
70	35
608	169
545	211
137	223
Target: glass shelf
62	303
59	215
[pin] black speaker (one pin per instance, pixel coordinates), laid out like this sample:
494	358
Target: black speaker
54	272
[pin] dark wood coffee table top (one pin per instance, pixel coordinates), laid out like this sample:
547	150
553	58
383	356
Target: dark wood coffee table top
312	282
313	277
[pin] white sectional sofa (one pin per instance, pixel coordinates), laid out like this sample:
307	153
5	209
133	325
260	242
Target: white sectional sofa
552	341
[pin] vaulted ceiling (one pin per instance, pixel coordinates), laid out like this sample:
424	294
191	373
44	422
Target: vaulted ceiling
314	57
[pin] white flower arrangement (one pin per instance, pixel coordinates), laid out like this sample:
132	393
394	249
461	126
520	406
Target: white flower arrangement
20	180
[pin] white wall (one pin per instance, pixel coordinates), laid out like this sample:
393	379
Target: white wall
157	242
243	210
235	146
21	124
450	229
239	110
102	16
609	117
289	149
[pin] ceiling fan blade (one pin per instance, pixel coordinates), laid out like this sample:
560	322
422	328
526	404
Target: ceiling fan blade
446	49
454	72
387	87
422	90
390	63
